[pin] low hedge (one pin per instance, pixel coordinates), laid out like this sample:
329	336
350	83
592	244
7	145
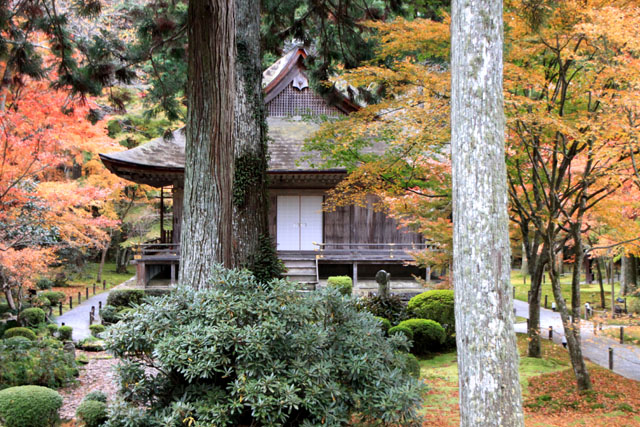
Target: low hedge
32	316
343	284
406	331
92	413
125	297
29	406
52	328
428	335
436	305
20	332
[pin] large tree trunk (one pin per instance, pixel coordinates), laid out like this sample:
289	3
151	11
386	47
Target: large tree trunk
207	230
626	279
533	332
487	361
250	201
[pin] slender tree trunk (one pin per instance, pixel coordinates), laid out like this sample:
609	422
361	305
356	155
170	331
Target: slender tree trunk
207	230
571	328
9	297
524	267
626	279
534	347
603	302
250	201
488	367
103	258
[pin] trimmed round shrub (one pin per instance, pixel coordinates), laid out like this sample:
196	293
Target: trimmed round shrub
97	329
54	296
435	305
428	335
391	307
109	314
97	395
32	316
410	364
44	283
384	324
42	363
406	331
29	406
40	301
125	297
52	328
92	413
343	284
65	333
20	332
259	336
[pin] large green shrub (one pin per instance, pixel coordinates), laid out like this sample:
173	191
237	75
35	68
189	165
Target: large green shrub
343	284
52	328
65	333
92	413
20	332
125	297
428	335
32	316
435	305
109	314
391	307
29	406
410	364
54	296
41	363
295	359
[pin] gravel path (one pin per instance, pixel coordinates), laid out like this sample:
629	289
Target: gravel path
97	375
626	358
78	318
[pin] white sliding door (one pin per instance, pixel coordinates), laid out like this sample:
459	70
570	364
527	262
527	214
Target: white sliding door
299	222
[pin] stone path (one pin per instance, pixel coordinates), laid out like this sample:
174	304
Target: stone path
626	358
78	318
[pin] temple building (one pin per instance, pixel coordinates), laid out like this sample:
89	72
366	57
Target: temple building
313	244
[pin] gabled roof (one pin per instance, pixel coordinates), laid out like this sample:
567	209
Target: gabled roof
160	162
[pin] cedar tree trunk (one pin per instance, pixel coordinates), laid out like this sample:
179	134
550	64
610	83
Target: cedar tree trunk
206	237
250	200
487	354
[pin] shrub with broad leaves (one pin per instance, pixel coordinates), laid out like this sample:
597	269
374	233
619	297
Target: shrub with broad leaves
247	353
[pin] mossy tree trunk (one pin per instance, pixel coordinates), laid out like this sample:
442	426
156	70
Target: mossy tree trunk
207	231
487	355
250	201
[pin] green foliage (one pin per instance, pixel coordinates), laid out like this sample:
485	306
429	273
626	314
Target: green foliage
404	330
385	325
82	359
52	328
40	363
392	307
54	296
32	316
266	265
428	335
250	171
410	364
65	333
125	297
109	314
4	308
40	301
20	332
343	284
44	283
91	344
92	413
97	395
97	329
295	359
633	305
436	305
29	406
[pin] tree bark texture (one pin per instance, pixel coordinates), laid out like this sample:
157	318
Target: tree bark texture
206	237
487	355
250	201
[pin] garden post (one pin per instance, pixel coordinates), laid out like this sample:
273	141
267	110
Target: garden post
94	288
70	303
545	301
550	333
99	305
86	291
621	334
104	285
611	358
79	297
60	308
90	318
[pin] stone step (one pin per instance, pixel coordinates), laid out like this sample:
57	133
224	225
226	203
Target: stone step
301	271
302	278
299	263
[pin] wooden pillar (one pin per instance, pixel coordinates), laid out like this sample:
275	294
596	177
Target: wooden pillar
355	275
162	236
173	274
